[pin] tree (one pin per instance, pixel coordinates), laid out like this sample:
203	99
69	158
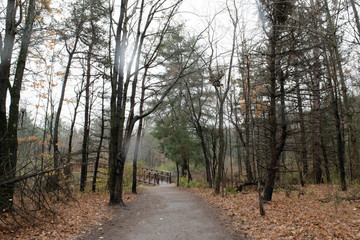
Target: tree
176	142
9	125
222	94
76	23
277	13
120	131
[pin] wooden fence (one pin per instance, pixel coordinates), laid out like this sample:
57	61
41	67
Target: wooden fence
153	176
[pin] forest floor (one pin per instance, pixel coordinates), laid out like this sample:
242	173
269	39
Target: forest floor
167	212
72	219
313	212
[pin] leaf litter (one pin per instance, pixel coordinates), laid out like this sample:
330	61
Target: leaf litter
72	219
320	212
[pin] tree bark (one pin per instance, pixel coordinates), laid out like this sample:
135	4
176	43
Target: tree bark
348	112
221	98
335	105
58	113
356	15
84	156
114	144
277	142
138	136
101	136
195	118
10	157
5	164
67	170
302	134
246	90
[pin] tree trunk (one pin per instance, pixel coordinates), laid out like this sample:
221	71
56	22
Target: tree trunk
136	153
58	113
231	161
116	92
214	157
315	86
326	161
239	156
272	166
221	98
6	167
101	137
335	105
276	146
356	15
200	133
84	156
67	169
246	90
302	134
138	136
9	157
177	175
206	157
348	112
316	128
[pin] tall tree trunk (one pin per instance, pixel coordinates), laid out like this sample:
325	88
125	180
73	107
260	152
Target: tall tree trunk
271	168
231	160
335	104
302	134
196	116
101	136
136	154
58	113
276	145
326	161
205	153
315	87
115	165
261	205
121	134
238	148
11	133
138	136
222	97
177	175
316	129
340	143
348	112
84	155
246	90
6	167
214	141
67	169
356	15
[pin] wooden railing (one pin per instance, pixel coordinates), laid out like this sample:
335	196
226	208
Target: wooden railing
153	176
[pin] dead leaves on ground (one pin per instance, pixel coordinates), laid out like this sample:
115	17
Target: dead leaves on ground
72	220
304	217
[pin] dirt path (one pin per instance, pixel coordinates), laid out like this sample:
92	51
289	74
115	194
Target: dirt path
160	213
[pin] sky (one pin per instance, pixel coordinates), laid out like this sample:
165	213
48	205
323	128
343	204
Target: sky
196	14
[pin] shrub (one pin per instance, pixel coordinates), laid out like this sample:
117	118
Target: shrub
183	181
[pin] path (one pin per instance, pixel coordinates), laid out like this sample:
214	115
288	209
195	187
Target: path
163	213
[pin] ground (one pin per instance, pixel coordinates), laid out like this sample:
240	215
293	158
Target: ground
314	212
167	212
163	213
72	218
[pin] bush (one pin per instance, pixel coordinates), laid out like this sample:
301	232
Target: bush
231	190
183	181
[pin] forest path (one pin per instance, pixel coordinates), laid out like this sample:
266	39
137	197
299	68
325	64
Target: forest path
163	212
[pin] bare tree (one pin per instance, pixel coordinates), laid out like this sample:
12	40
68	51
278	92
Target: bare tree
9	125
